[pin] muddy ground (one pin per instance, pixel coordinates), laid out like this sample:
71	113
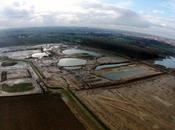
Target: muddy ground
36	112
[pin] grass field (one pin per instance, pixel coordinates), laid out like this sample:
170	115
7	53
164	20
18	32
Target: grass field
21	87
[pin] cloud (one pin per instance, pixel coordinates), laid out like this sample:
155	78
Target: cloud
17	11
95	13
158	11
99	13
12	13
91	12
168	5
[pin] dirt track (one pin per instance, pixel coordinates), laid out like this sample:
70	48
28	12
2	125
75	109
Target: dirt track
36	112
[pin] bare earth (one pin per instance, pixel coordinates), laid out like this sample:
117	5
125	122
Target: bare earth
36	112
142	105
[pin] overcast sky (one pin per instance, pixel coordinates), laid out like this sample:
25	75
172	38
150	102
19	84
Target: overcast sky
148	16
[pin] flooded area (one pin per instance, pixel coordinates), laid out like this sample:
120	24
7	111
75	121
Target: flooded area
20	54
126	72
75	51
70	62
122	74
111	60
168	62
73	68
109	66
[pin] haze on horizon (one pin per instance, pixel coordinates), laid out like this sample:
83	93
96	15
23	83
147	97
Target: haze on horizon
147	16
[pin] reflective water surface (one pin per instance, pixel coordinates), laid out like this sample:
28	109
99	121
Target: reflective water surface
79	51
168	62
67	62
109	66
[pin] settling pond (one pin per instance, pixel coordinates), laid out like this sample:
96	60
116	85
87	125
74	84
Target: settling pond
123	74
127	72
109	66
71	62
74	51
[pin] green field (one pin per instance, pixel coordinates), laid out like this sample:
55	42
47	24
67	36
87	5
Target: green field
21	87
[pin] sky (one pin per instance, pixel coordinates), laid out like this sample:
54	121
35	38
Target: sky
147	16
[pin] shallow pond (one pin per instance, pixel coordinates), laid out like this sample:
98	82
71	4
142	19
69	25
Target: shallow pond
109	66
118	75
74	51
20	54
168	62
73	68
67	62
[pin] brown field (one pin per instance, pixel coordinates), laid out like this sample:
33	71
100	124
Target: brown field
142	105
36	112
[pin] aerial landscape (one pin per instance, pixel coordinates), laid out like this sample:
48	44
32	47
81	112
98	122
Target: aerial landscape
72	77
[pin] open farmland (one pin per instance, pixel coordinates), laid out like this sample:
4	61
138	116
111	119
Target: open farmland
141	105
36	112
